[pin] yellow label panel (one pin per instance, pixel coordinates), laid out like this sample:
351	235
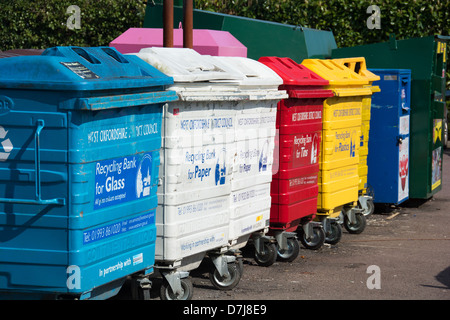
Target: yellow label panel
338	179
366	104
328	201
363	170
340	148
364	139
338	187
341	112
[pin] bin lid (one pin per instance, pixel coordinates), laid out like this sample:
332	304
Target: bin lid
20	52
253	72
77	68
259	81
336	73
202	77
358	65
343	81
187	65
293	73
210	42
382	73
299	81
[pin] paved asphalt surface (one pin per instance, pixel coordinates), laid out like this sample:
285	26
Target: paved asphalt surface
409	245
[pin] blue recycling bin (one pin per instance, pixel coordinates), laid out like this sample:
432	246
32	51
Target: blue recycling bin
388	159
80	135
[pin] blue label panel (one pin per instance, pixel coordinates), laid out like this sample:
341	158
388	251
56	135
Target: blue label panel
119	227
122	179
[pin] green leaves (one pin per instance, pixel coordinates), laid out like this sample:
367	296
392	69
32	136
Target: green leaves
346	18
43	23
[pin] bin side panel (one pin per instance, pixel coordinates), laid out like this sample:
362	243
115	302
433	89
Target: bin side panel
96	237
114	166
32	234
388	159
294	187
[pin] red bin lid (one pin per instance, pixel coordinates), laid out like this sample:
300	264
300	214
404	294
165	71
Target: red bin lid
293	73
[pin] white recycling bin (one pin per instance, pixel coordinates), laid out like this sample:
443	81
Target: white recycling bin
250	199
206	206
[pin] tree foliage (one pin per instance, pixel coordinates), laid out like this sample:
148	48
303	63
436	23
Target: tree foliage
346	18
43	23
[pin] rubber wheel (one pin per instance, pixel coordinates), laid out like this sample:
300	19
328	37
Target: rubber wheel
335	234
166	292
223	283
357	227
268	256
371	207
315	242
291	253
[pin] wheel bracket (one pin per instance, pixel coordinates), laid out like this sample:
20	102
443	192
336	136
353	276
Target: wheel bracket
350	212
282	237
363	203
221	263
258	240
174	280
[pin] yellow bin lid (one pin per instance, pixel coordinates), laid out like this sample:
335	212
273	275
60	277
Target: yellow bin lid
343	81
359	66
336	73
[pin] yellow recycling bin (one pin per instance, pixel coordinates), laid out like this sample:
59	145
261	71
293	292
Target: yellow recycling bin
358	65
339	158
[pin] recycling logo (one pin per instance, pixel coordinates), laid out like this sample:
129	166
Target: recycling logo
143	178
6	145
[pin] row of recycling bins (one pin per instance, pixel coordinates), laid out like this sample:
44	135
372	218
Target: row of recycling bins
129	166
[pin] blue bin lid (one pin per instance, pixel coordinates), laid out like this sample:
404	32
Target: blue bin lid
77	68
380	70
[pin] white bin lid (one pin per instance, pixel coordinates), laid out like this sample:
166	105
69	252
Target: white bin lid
255	74
202	77
187	65
259	81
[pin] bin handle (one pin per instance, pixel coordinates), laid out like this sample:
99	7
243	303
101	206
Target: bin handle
40	124
85	55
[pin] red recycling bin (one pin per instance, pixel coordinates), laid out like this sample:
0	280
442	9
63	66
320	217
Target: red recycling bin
294	187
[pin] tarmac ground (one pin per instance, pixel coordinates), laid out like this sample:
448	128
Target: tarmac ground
403	254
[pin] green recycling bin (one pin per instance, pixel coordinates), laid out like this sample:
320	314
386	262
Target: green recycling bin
427	59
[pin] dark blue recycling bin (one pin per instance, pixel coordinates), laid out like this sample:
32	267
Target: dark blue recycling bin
80	134
388	159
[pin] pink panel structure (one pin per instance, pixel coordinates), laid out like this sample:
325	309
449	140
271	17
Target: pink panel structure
207	42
